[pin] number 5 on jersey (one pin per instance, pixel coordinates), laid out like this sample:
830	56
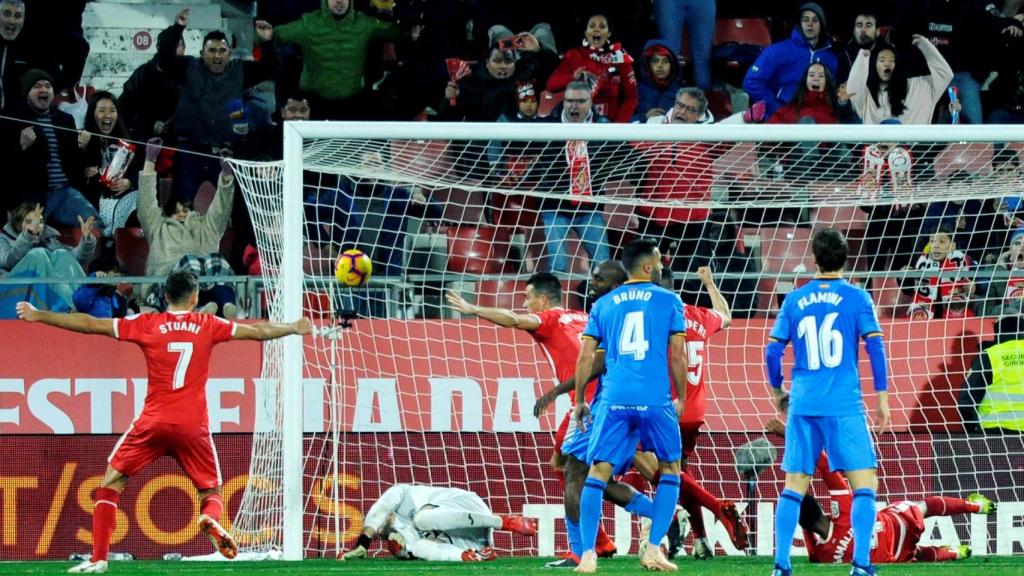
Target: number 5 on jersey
633	340
184	351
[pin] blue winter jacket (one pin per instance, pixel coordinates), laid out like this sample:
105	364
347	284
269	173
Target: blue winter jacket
650	95
778	71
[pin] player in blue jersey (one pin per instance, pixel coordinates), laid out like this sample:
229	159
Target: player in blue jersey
825	321
637	324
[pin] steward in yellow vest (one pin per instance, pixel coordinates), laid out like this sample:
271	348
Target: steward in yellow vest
992	398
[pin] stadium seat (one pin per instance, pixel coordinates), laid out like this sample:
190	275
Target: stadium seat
461	207
890	302
548	102
204	197
505	294
752	31
975	158
428	159
618	216
516	213
132	250
738	160
720	104
72	235
477	249
840	217
783	249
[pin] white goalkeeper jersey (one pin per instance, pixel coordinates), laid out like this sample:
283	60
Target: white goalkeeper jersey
405	500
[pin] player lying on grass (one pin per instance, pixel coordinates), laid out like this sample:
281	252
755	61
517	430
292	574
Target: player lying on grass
558	331
434	523
898	527
174	419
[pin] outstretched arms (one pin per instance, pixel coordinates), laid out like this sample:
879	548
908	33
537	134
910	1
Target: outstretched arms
499	316
271	330
75	322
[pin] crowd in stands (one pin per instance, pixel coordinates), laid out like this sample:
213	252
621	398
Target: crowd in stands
178	117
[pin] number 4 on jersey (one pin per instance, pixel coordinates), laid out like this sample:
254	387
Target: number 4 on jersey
633	339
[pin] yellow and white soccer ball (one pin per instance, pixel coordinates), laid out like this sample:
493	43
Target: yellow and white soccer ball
353	268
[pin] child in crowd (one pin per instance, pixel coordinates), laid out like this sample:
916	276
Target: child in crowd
941	296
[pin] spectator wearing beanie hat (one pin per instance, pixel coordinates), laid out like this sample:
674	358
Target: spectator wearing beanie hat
779	70
42	147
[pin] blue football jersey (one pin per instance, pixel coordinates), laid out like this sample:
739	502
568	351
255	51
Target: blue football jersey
633	324
825	320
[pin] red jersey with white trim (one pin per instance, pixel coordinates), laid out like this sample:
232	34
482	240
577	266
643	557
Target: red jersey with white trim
701	323
177	348
559	334
897	531
838	547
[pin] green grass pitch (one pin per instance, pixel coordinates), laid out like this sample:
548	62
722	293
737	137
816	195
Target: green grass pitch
720	566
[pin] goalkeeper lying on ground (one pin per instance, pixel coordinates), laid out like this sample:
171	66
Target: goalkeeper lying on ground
431	523
898	527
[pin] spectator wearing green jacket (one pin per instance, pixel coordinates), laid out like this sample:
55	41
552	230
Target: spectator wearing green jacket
334	42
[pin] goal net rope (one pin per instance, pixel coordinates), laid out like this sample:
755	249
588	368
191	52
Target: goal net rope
398	387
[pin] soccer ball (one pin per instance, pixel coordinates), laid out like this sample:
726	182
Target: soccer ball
353	268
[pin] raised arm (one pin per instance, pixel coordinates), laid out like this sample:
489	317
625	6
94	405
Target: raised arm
718	302
940	72
499	316
76	322
857	83
271	330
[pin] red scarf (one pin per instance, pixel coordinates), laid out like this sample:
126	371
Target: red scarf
944	290
579	169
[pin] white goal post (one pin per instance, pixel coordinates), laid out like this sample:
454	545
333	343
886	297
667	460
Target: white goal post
331	148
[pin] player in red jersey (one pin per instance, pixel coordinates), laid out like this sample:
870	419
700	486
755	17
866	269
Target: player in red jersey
174	419
898	527
701	324
558	331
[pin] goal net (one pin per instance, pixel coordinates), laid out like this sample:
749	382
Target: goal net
398	387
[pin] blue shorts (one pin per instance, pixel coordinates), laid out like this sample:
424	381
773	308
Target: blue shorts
577	441
846	440
616	431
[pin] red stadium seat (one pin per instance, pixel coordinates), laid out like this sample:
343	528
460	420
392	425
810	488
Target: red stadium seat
424	158
513	212
204	197
504	294
753	31
73	235
840	217
975	158
461	206
720	104
548	102
739	160
132	250
477	249
785	249
618	216
890	302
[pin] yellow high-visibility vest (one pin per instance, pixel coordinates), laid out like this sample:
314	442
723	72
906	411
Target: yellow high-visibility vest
1003	406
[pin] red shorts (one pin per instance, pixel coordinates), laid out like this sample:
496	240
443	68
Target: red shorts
689	431
560	433
902	525
191	446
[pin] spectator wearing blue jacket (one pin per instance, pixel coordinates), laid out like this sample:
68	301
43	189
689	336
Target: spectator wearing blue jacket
101	300
780	69
657	82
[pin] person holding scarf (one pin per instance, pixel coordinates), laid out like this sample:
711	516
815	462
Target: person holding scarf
615	93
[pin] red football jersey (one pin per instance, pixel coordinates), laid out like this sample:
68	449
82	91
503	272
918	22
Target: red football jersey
898	527
701	323
559	335
177	348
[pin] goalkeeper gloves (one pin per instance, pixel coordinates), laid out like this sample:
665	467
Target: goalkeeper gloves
362	545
